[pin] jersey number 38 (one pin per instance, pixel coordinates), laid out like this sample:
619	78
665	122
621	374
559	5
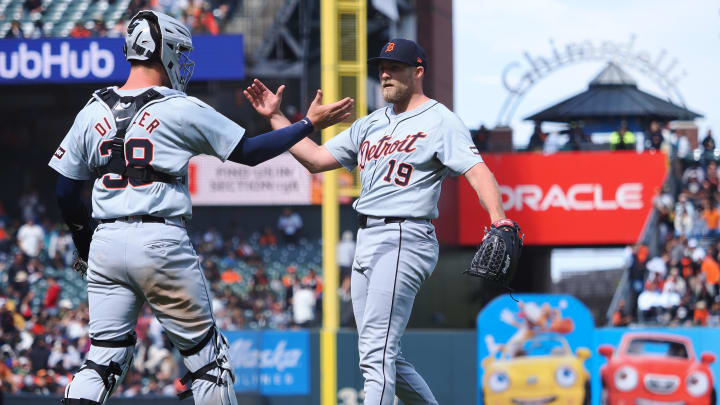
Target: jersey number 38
138	153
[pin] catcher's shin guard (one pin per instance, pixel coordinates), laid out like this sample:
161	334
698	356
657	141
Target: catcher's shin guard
211	377
104	369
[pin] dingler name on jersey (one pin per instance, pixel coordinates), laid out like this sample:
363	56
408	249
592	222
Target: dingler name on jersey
383	147
145	121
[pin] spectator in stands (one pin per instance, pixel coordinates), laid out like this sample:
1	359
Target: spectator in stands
229	276
5	240
30	237
637	273
260	285
622	138
117	30
675	284
39	354
714	315
268	238
52	295
246	252
303	305
700	315
79	31
38	30
212	241
134	7
711	269
346	253
537	139
313	281
653	137
708	149
20	286
290	223
15	31
33	6
576	136
278	318
205	21
620	317
99	29
712	218
711	175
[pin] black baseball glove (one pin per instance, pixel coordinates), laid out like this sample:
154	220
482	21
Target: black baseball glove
497	258
79	264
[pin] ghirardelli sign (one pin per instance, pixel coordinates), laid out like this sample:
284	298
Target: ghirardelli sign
520	75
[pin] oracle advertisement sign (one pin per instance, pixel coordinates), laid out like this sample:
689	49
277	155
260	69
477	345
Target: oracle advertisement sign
582	198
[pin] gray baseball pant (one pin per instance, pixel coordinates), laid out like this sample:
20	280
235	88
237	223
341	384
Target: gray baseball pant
132	262
392	260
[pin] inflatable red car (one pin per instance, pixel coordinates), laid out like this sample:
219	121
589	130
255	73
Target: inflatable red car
656	369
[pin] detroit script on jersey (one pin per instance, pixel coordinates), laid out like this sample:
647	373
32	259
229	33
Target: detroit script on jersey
403	158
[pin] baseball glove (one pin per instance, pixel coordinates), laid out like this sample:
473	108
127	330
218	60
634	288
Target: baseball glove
79	264
497	258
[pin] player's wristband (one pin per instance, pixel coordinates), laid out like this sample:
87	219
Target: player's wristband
306	121
257	149
503	222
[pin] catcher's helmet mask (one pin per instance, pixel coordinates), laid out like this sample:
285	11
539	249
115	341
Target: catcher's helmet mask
157	36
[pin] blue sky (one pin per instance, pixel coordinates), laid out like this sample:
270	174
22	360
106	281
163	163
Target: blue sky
490	35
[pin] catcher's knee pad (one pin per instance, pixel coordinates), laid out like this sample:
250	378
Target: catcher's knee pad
104	369
210	378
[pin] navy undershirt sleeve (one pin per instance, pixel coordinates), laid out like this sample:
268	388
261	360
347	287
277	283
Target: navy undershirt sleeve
257	149
75	214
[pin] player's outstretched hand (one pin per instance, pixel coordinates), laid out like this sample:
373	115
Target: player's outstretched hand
323	116
264	101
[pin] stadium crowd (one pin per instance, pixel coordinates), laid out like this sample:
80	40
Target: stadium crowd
199	16
678	285
43	302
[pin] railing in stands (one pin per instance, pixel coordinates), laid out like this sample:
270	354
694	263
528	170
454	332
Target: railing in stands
649	238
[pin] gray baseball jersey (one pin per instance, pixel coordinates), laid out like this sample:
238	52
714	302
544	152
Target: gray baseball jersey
403	158
132	261
165	134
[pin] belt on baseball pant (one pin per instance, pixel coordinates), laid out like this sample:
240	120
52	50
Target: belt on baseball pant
146	219
363	220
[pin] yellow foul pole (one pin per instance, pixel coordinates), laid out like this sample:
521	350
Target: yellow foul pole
330	216
343	42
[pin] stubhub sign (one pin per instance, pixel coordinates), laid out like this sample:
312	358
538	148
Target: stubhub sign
65	60
271	362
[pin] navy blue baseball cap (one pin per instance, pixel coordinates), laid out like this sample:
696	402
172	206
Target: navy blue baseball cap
402	50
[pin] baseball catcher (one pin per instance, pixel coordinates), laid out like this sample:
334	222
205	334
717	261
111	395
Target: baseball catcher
496	259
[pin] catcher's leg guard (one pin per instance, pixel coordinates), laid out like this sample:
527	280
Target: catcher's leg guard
104	369
210	376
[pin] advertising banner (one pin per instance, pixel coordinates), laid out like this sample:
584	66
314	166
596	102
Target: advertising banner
569	198
534	351
657	366
271	362
280	181
545	349
68	60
